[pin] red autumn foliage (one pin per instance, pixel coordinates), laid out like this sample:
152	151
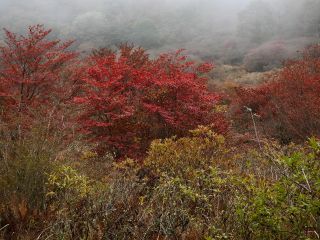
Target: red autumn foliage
130	99
30	67
35	73
288	105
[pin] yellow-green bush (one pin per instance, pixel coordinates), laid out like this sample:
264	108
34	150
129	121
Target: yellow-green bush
193	197
26	161
274	196
64	181
180	157
97	210
183	190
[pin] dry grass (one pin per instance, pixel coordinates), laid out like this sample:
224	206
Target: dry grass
226	75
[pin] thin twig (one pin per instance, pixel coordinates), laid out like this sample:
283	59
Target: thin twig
254	125
305	177
5	226
42	232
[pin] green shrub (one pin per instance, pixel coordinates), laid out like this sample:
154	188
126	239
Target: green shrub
26	163
86	209
23	176
181	157
288	208
193	198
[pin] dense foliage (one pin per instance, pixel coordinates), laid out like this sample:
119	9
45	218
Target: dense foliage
288	104
38	76
130	99
69	124
31	67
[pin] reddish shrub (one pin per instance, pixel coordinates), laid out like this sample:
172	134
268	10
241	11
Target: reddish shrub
35	76
289	104
130	99
30	67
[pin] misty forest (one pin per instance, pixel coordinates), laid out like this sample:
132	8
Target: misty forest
160	119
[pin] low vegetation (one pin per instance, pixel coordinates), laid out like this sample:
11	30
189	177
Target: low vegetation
117	145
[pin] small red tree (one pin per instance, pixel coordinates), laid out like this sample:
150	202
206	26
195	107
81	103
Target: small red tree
30	67
33	74
289	104
130	99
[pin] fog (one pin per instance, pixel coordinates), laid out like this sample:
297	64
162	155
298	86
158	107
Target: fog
216	29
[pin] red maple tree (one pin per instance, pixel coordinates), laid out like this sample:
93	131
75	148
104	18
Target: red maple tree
288	105
130	99
35	73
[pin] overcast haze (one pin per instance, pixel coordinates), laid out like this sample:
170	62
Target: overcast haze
202	26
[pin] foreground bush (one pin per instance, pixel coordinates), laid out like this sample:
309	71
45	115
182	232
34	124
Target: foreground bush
277	198
288	207
194	197
25	165
183	191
